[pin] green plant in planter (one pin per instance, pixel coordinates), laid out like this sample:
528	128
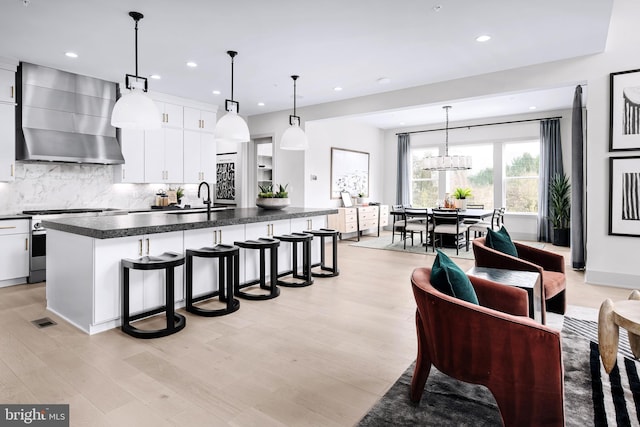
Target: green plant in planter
462	193
559	192
266	192
560	204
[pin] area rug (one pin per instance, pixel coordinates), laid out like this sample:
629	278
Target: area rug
592	398
384	242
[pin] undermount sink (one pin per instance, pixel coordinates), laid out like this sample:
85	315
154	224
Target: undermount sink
195	211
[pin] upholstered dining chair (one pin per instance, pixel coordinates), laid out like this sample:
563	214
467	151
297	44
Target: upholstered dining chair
480	228
447	222
418	221
493	344
397	211
550	266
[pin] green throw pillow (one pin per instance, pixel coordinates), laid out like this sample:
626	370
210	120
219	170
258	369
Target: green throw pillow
449	279
501	241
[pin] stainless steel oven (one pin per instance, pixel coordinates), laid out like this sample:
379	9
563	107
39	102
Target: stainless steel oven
38	249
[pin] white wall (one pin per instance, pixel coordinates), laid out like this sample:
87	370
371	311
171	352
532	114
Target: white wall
325	134
610	259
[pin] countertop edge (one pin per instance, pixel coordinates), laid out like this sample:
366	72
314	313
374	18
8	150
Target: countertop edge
68	225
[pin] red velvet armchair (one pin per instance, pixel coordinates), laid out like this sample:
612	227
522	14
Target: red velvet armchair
493	344
549	265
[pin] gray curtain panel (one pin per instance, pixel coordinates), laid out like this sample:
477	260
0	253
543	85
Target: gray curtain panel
550	165
403	182
577	183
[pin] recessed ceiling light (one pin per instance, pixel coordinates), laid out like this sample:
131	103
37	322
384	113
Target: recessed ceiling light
155	76
337	88
483	38
384	80
192	64
402	123
71	54
260	104
216	92
533	107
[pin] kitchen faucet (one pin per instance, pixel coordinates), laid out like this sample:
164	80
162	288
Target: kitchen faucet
206	201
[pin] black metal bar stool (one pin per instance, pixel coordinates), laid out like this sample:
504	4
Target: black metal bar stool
305	278
262	244
333	270
175	322
228	276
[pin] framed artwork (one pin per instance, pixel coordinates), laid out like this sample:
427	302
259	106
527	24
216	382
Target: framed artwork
346	199
624	196
624	111
226	178
349	172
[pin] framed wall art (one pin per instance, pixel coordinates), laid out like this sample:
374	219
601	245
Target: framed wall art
624	111
624	196
349	172
226	178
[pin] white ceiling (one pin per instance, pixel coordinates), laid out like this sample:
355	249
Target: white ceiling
329	43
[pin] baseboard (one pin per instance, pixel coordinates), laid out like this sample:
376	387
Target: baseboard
608	278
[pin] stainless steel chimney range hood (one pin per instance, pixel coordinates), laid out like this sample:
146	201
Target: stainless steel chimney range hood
65	117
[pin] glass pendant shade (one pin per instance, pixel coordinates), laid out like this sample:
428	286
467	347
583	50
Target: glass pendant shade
135	110
446	162
294	138
232	128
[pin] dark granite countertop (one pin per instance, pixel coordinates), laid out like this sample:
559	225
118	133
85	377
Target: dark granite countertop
109	227
15	216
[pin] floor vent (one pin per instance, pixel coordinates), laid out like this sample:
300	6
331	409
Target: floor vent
44	322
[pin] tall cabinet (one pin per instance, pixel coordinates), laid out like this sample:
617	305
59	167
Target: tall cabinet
182	151
7	123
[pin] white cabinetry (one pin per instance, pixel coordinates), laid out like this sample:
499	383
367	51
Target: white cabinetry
14	251
201	120
132	145
172	114
299	225
146	287
199	157
250	258
7	125
205	270
163	155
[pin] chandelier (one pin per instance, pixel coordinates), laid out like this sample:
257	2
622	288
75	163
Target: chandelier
446	162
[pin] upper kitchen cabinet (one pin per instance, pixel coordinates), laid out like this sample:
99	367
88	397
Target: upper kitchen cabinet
197	119
163	156
132	145
7	125
8	86
172	114
199	157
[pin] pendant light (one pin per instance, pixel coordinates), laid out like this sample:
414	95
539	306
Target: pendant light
231	127
446	162
135	110
294	137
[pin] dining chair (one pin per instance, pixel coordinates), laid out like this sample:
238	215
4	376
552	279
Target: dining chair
480	228
447	222
417	221
397	211
473	206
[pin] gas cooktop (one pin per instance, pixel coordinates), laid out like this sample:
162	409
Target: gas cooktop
62	211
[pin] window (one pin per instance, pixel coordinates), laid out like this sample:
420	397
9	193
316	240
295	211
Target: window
479	179
521	175
424	184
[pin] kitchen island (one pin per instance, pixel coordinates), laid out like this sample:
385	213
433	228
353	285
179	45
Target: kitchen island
84	253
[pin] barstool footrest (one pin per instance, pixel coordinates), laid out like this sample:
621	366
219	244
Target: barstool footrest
179	323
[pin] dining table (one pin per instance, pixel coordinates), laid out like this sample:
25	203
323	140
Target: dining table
478	214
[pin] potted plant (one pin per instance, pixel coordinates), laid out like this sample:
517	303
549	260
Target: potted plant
269	199
560	206
461	194
362	199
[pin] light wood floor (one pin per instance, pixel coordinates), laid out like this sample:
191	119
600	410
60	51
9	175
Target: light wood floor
317	356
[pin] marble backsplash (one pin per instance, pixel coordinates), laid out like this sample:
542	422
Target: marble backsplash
63	186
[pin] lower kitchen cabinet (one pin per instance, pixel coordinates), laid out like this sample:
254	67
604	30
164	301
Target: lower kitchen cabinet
299	225
251	258
146	287
205	270
14	251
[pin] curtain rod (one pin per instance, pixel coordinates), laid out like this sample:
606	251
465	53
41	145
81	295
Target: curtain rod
480	125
